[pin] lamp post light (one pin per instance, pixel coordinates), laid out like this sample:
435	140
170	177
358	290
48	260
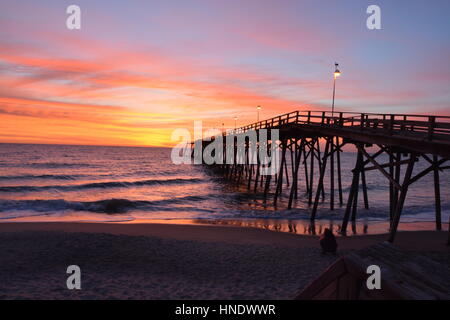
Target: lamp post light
257	118
336	74
235	119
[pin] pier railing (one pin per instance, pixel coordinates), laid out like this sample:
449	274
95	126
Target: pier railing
429	126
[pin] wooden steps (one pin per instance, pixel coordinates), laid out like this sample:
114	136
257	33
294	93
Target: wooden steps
404	276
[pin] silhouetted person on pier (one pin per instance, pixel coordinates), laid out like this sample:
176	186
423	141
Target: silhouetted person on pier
328	242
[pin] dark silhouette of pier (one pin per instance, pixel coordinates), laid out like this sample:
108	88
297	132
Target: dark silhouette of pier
403	138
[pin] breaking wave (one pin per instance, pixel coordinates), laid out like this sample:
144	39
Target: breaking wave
101	185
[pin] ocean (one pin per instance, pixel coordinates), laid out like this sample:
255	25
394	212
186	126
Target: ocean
126	184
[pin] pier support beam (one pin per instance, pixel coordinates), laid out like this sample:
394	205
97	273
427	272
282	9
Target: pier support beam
332	174
321	177
295	176
353	189
391	186
311	170
402	197
338	156
364	188
437	193
279	188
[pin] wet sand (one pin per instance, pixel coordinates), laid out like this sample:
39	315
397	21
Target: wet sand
171	261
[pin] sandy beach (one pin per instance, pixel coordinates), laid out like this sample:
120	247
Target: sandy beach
170	261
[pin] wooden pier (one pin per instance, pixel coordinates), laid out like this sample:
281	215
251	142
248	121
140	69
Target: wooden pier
403	138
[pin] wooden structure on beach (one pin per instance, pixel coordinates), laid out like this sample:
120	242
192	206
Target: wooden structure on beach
403	138
404	276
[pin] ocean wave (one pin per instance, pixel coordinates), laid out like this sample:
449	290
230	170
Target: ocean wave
49	165
101	206
42	176
100	185
108	206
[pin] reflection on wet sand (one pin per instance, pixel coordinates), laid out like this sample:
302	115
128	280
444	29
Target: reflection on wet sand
294	226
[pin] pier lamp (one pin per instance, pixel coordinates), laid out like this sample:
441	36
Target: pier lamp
235	119
258	108
336	74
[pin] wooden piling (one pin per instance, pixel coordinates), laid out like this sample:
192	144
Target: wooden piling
354	186
321	177
332	174
391	186
279	188
402	197
295	178
364	189
319	159
311	174
437	193
338	157
305	165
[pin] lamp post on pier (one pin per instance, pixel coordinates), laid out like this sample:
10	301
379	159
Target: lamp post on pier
258	108
336	74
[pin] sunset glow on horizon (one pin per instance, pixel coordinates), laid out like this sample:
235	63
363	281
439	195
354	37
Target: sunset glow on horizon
138	70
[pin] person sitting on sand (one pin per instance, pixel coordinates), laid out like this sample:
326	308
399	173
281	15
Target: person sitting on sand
328	242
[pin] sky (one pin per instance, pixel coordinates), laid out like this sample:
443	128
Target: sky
137	70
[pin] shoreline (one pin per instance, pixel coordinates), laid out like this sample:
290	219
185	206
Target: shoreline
405	239
293	226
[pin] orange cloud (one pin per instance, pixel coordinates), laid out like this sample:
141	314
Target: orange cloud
111	96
